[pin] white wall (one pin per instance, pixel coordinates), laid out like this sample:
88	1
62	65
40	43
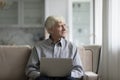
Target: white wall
98	22
56	7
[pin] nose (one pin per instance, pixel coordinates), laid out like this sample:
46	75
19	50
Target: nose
64	28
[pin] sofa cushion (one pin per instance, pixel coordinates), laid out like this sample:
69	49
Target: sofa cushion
96	55
86	58
91	76
13	60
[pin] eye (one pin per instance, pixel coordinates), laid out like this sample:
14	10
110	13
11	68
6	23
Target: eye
64	24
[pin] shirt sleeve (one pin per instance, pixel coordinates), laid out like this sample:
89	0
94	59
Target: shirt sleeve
32	68
77	70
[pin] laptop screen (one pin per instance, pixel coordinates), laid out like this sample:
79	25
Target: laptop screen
55	67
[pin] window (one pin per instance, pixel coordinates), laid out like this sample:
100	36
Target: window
22	13
9	13
82	30
21	22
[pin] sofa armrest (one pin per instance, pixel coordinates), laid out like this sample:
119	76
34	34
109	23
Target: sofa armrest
90	76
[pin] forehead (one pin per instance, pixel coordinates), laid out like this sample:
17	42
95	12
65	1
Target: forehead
60	22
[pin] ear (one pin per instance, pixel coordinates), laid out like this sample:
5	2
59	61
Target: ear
50	30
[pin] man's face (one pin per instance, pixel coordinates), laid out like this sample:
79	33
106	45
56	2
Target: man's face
59	30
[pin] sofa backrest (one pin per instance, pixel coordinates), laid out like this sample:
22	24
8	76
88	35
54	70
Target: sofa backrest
12	62
90	55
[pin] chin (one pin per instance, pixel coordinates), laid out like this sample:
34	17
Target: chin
63	36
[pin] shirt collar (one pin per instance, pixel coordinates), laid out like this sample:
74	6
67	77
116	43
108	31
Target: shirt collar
60	42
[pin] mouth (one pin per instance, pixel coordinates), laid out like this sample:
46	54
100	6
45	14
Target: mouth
63	33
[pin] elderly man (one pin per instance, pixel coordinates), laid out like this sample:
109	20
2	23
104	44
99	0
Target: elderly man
56	46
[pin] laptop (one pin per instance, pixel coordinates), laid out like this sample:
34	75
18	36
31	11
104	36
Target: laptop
55	67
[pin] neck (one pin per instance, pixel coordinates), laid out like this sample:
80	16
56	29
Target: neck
55	39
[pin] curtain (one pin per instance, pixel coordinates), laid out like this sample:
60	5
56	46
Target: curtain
110	58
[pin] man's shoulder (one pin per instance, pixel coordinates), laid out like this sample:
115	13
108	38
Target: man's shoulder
41	43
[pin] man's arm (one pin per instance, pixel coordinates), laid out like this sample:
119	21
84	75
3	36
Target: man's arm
77	71
32	68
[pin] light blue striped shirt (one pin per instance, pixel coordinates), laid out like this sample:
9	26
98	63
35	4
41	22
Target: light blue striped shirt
61	49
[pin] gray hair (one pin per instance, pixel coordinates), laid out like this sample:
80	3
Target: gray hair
51	20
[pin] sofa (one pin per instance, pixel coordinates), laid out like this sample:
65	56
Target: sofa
13	59
90	56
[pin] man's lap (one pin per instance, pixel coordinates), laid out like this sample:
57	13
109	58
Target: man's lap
55	78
